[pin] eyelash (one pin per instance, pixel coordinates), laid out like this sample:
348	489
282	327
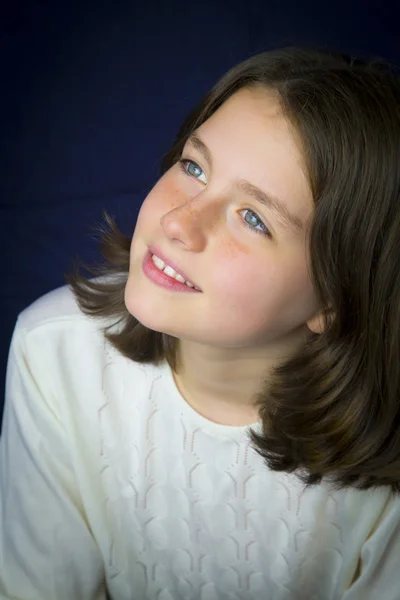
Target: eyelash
266	233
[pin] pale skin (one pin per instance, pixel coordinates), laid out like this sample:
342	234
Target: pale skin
257	304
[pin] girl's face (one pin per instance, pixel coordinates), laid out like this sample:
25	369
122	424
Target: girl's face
249	262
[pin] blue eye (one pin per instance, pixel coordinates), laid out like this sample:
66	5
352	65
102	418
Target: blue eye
184	165
263	231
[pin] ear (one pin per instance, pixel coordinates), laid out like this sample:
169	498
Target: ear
316	324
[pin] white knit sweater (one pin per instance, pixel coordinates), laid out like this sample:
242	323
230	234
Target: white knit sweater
109	480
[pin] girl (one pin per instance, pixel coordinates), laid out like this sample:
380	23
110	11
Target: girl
216	415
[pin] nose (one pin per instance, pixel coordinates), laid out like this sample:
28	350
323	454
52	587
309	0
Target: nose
194	221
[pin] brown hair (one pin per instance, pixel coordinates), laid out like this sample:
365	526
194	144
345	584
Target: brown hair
332	410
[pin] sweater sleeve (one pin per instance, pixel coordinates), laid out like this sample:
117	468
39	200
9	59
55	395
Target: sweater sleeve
379	567
46	549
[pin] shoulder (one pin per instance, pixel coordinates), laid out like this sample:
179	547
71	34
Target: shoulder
55	325
56	306
64	350
378	575
58	309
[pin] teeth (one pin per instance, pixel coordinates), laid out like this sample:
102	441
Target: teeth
170	271
160	264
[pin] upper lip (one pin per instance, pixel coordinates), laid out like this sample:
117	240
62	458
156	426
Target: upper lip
171	263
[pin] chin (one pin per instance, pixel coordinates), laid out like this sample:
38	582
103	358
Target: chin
136	305
144	311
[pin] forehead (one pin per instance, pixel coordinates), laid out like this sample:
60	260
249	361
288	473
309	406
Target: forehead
252	119
256	97
250	138
253	104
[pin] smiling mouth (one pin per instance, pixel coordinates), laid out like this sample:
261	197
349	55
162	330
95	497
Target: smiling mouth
162	266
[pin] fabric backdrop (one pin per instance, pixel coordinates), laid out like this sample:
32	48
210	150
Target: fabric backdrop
92	95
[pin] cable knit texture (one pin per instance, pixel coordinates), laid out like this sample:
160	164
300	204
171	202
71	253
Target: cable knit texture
110	480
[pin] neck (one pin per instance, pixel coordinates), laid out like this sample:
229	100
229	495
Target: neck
221	383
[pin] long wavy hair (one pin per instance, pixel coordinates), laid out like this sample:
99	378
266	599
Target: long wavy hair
332	410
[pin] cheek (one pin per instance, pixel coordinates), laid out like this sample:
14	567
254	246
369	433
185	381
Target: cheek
243	277
259	288
244	294
164	196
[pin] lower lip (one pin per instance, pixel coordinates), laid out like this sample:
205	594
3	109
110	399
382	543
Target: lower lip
162	279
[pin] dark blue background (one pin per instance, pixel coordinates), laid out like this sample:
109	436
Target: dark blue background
92	96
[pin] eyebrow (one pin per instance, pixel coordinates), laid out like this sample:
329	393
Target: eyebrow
291	221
